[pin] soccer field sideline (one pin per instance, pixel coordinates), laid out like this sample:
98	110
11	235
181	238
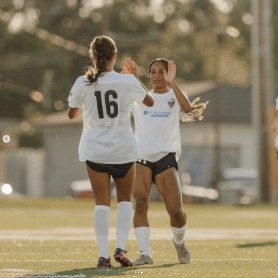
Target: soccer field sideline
74	233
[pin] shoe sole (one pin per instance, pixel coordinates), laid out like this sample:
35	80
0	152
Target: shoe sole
124	262
138	264
186	262
104	266
141	263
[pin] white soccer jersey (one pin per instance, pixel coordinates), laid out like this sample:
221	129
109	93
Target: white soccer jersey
157	128
107	135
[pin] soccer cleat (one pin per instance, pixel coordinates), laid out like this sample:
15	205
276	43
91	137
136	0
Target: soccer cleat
182	252
143	259
102	262
121	257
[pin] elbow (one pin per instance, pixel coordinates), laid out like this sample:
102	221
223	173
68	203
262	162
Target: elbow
70	116
187	109
148	101
72	113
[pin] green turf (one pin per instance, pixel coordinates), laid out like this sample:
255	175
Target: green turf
78	258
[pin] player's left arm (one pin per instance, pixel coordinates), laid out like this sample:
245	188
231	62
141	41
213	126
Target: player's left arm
170	77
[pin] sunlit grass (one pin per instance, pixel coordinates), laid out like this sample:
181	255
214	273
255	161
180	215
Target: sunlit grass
39	213
78	258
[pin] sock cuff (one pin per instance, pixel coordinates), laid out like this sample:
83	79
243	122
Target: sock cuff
102	207
142	231
181	229
124	203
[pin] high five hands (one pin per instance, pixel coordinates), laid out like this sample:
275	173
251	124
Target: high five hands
129	66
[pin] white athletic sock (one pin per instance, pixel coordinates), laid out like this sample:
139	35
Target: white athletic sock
142	235
101	225
179	234
123	224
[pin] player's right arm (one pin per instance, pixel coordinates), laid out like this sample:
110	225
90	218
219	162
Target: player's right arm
74	99
73	112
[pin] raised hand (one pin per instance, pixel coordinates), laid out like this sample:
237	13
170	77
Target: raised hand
129	66
171	74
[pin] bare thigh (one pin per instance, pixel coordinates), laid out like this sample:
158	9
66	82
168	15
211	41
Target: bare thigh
143	182
168	186
125	185
141	193
100	183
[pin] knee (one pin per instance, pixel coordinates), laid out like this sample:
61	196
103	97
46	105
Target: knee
178	214
141	205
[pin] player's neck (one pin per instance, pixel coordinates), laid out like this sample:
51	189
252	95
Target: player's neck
109	66
107	69
160	90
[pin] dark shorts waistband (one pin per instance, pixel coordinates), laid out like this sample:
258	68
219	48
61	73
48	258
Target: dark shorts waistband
157	167
117	171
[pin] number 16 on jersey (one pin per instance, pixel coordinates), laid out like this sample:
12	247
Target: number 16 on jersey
111	105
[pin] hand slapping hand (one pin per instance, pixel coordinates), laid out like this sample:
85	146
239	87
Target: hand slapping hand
130	67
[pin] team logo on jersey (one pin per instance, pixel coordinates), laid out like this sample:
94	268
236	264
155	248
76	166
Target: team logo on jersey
171	102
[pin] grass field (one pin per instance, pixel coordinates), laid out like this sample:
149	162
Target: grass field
54	238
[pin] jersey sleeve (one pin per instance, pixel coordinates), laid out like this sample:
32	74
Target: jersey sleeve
74	99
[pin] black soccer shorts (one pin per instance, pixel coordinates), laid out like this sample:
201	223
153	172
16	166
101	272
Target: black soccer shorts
157	167
117	171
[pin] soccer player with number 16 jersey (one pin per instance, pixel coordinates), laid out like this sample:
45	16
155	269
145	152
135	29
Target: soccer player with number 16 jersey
107	143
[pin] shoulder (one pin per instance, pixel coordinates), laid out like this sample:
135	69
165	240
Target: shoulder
81	81
126	78
79	84
166	95
171	92
113	76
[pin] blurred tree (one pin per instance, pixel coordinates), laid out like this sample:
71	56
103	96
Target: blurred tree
44	44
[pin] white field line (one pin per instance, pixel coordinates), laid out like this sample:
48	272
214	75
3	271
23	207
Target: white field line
14	273
156	234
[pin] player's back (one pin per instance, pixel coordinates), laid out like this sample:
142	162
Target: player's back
108	101
106	104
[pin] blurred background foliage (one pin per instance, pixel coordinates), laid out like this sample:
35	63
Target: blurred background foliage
44	44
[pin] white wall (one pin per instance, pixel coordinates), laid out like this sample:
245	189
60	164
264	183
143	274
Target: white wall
24	169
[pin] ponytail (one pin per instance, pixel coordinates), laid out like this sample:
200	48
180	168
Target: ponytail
101	52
